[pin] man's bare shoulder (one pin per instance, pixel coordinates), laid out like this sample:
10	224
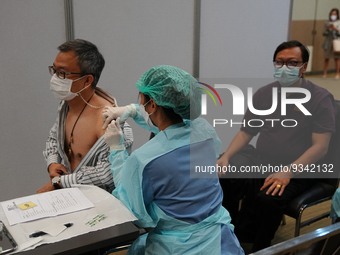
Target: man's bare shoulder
99	102
105	95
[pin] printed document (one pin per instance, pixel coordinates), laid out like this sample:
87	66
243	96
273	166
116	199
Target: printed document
49	204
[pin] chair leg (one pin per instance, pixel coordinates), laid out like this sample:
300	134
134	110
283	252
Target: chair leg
298	222
297	228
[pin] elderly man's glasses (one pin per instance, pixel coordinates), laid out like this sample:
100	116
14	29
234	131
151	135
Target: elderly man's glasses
289	64
60	74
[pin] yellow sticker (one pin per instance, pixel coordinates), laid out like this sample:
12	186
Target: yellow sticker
27	205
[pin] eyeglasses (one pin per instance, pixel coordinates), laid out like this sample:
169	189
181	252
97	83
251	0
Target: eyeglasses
289	64
60	74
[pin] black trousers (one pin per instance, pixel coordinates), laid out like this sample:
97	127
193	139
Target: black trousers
260	214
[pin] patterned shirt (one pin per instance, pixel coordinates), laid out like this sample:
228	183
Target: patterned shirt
95	167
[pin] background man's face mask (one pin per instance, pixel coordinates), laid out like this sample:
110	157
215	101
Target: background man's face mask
333	17
146	115
61	88
287	76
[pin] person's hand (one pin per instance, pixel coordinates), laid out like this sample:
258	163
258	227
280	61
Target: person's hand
114	136
277	182
112	113
47	187
56	170
222	161
330	26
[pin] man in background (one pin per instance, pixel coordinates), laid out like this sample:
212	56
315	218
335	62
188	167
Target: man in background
264	200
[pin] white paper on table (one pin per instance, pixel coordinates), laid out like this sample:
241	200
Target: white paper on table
49	204
104	202
54	229
30	243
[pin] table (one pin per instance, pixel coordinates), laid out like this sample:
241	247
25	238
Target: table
102	239
115	230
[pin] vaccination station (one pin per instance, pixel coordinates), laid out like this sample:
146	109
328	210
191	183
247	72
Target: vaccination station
197	127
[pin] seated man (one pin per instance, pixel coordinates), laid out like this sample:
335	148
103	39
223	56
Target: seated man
264	200
76	152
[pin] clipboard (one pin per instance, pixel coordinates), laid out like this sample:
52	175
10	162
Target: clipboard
7	242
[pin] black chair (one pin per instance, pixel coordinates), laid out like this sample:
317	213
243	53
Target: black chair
323	241
323	190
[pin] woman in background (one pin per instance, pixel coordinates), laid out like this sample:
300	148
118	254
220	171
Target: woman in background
331	31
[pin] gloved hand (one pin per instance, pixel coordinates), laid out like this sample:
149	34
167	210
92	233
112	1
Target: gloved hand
111	113
114	136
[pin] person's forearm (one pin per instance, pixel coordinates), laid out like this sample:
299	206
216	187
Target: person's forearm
312	155
240	140
117	159
99	175
319	149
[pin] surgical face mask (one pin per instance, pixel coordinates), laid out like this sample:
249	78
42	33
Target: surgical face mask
61	88
333	17
146	115
287	76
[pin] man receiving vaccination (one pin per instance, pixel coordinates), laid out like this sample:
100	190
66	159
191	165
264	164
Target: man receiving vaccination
76	152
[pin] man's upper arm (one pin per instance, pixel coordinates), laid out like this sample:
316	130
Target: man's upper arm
128	136
324	116
324	123
322	140
258	98
51	151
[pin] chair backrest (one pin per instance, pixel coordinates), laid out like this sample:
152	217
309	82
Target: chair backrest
333	154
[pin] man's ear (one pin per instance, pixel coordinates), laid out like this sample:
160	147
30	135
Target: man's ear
304	68
89	79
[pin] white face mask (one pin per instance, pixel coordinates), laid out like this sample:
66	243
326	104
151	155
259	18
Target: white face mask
146	115
61	88
334	17
287	76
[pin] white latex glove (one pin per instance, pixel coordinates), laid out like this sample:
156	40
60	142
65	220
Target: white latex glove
111	113
114	136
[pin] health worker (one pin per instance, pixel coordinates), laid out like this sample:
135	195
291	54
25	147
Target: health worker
154	182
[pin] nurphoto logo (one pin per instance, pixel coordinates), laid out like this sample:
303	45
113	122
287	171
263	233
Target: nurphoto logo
238	108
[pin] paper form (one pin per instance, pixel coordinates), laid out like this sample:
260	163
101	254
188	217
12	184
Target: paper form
48	204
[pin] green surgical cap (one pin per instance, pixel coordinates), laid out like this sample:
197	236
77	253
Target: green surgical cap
174	88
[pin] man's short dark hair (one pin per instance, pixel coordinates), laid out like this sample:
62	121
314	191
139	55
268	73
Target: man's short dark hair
90	60
293	44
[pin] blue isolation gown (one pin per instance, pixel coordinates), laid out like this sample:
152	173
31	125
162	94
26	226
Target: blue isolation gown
155	184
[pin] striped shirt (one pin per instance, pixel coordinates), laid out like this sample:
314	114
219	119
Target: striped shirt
95	167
